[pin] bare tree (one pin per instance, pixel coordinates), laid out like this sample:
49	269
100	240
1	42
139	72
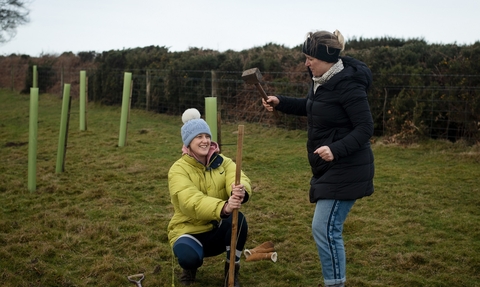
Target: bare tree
13	13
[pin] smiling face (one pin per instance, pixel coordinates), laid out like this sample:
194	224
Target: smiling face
318	67
200	145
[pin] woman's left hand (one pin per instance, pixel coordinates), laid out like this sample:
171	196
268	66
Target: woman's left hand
325	153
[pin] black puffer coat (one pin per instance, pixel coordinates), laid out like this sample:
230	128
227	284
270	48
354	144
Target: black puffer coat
339	117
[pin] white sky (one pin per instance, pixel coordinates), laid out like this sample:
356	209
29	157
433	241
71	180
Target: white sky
58	26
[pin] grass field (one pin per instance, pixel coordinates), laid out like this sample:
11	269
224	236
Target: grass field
105	217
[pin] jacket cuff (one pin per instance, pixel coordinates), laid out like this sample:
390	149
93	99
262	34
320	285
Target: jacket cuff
223	213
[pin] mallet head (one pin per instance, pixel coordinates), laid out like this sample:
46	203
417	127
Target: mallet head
252	76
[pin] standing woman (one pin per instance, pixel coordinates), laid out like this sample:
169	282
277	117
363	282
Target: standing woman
204	195
340	126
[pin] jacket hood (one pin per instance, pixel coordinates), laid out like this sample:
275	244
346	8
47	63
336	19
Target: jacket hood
354	69
360	72
213	149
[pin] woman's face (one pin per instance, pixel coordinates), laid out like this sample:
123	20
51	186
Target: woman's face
318	67
200	145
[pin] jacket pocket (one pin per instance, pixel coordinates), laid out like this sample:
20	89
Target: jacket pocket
318	165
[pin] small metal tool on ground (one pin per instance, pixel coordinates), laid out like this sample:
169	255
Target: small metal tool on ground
136	279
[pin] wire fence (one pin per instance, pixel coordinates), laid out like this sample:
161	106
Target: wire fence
404	106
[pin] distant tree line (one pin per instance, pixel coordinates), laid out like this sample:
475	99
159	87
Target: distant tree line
418	89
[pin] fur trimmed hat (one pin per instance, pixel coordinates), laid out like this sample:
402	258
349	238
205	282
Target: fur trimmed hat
193	125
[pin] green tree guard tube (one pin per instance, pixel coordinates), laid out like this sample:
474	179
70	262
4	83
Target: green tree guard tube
83	101
32	140
62	138
211	115
127	80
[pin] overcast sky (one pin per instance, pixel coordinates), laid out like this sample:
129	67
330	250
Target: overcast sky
58	26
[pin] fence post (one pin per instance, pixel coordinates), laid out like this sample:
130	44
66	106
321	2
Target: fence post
219	131
147	96
130	95
35	77
13	77
86	101
214	83
61	80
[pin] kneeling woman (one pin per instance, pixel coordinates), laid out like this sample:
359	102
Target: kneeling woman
203	193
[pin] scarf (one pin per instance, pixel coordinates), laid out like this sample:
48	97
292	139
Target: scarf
335	69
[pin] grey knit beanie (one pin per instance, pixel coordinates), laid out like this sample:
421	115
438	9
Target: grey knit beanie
193	125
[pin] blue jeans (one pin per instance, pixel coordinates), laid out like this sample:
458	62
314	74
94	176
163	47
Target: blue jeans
327	227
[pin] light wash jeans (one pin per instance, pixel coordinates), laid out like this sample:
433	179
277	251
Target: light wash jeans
327	227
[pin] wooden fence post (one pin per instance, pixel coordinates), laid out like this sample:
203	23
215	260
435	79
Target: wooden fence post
147	96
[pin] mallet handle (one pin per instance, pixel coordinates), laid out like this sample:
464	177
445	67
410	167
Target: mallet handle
265	97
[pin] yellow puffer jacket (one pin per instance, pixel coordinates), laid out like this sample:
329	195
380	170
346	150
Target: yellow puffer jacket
199	192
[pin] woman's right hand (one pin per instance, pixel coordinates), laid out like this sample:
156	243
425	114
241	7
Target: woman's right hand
270	103
233	203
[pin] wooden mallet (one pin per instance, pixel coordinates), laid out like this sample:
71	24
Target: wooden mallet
253	76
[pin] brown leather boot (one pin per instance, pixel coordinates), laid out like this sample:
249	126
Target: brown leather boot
187	277
236	280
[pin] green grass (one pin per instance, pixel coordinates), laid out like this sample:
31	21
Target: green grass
105	217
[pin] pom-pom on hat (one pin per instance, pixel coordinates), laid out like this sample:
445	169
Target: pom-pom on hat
193	125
